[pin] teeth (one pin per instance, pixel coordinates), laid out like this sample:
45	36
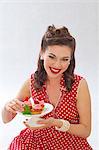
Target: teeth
55	70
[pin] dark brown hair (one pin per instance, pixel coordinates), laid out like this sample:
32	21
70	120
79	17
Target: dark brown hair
56	36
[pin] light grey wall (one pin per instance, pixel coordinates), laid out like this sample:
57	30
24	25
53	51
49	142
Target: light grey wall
22	24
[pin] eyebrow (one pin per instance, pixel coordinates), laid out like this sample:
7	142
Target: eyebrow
62	57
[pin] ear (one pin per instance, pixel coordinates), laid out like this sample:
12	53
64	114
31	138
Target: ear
41	57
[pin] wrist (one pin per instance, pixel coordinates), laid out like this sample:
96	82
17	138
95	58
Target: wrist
58	123
62	125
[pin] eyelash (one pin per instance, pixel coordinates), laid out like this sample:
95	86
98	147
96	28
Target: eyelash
62	59
65	59
51	57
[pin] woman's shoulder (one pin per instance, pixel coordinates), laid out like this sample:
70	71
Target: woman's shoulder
32	76
78	77
81	80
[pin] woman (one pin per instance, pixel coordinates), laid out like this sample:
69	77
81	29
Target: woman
69	124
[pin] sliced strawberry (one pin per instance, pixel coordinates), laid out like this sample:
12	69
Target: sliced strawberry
30	107
42	105
26	99
36	102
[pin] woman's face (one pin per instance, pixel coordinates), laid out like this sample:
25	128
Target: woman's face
56	60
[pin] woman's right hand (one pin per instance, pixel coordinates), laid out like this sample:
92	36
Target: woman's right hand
14	106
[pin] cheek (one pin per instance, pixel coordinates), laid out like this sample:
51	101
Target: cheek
65	66
47	62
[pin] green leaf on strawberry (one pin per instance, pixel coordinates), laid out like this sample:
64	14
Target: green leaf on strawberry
27	110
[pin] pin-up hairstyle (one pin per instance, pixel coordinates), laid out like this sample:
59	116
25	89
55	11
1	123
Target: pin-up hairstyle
61	37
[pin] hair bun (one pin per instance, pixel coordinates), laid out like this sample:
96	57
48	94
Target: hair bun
51	28
53	32
58	31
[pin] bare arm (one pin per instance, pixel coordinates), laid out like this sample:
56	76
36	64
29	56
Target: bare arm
10	109
82	129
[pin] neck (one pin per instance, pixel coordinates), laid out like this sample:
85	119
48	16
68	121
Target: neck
53	81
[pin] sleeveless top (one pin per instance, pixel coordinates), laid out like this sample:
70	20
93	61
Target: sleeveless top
50	138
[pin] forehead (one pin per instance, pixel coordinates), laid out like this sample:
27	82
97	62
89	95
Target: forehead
58	50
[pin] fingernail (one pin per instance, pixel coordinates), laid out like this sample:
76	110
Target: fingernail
22	105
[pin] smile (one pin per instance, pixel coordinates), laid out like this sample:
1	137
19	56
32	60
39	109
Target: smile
55	70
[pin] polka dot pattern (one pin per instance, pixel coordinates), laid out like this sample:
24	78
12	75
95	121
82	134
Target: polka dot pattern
49	138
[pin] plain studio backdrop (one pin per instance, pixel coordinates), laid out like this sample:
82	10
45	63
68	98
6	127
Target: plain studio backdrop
22	24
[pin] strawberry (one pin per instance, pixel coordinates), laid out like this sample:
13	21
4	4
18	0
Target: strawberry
26	99
42	105
36	102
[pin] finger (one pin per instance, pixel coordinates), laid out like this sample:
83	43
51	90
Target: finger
10	109
17	106
41	121
18	102
26	124
33	128
47	122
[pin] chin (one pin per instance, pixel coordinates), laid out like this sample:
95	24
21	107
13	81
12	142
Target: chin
50	75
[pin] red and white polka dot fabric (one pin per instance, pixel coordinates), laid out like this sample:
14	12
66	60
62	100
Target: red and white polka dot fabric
49	138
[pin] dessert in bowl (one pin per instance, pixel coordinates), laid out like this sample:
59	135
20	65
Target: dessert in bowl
34	110
33	107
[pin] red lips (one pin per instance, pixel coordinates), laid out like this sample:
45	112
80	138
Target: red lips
55	70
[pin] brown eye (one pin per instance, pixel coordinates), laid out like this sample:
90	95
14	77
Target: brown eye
51	57
65	59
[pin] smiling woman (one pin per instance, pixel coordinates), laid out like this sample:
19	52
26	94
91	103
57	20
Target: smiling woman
56	59
68	125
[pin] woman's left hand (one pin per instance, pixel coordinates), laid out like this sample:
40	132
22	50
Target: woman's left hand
44	122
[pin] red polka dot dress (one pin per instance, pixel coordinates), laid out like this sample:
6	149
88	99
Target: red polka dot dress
50	138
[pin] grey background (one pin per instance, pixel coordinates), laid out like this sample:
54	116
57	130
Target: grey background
22	24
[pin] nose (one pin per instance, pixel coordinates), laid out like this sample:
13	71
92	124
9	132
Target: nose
57	64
